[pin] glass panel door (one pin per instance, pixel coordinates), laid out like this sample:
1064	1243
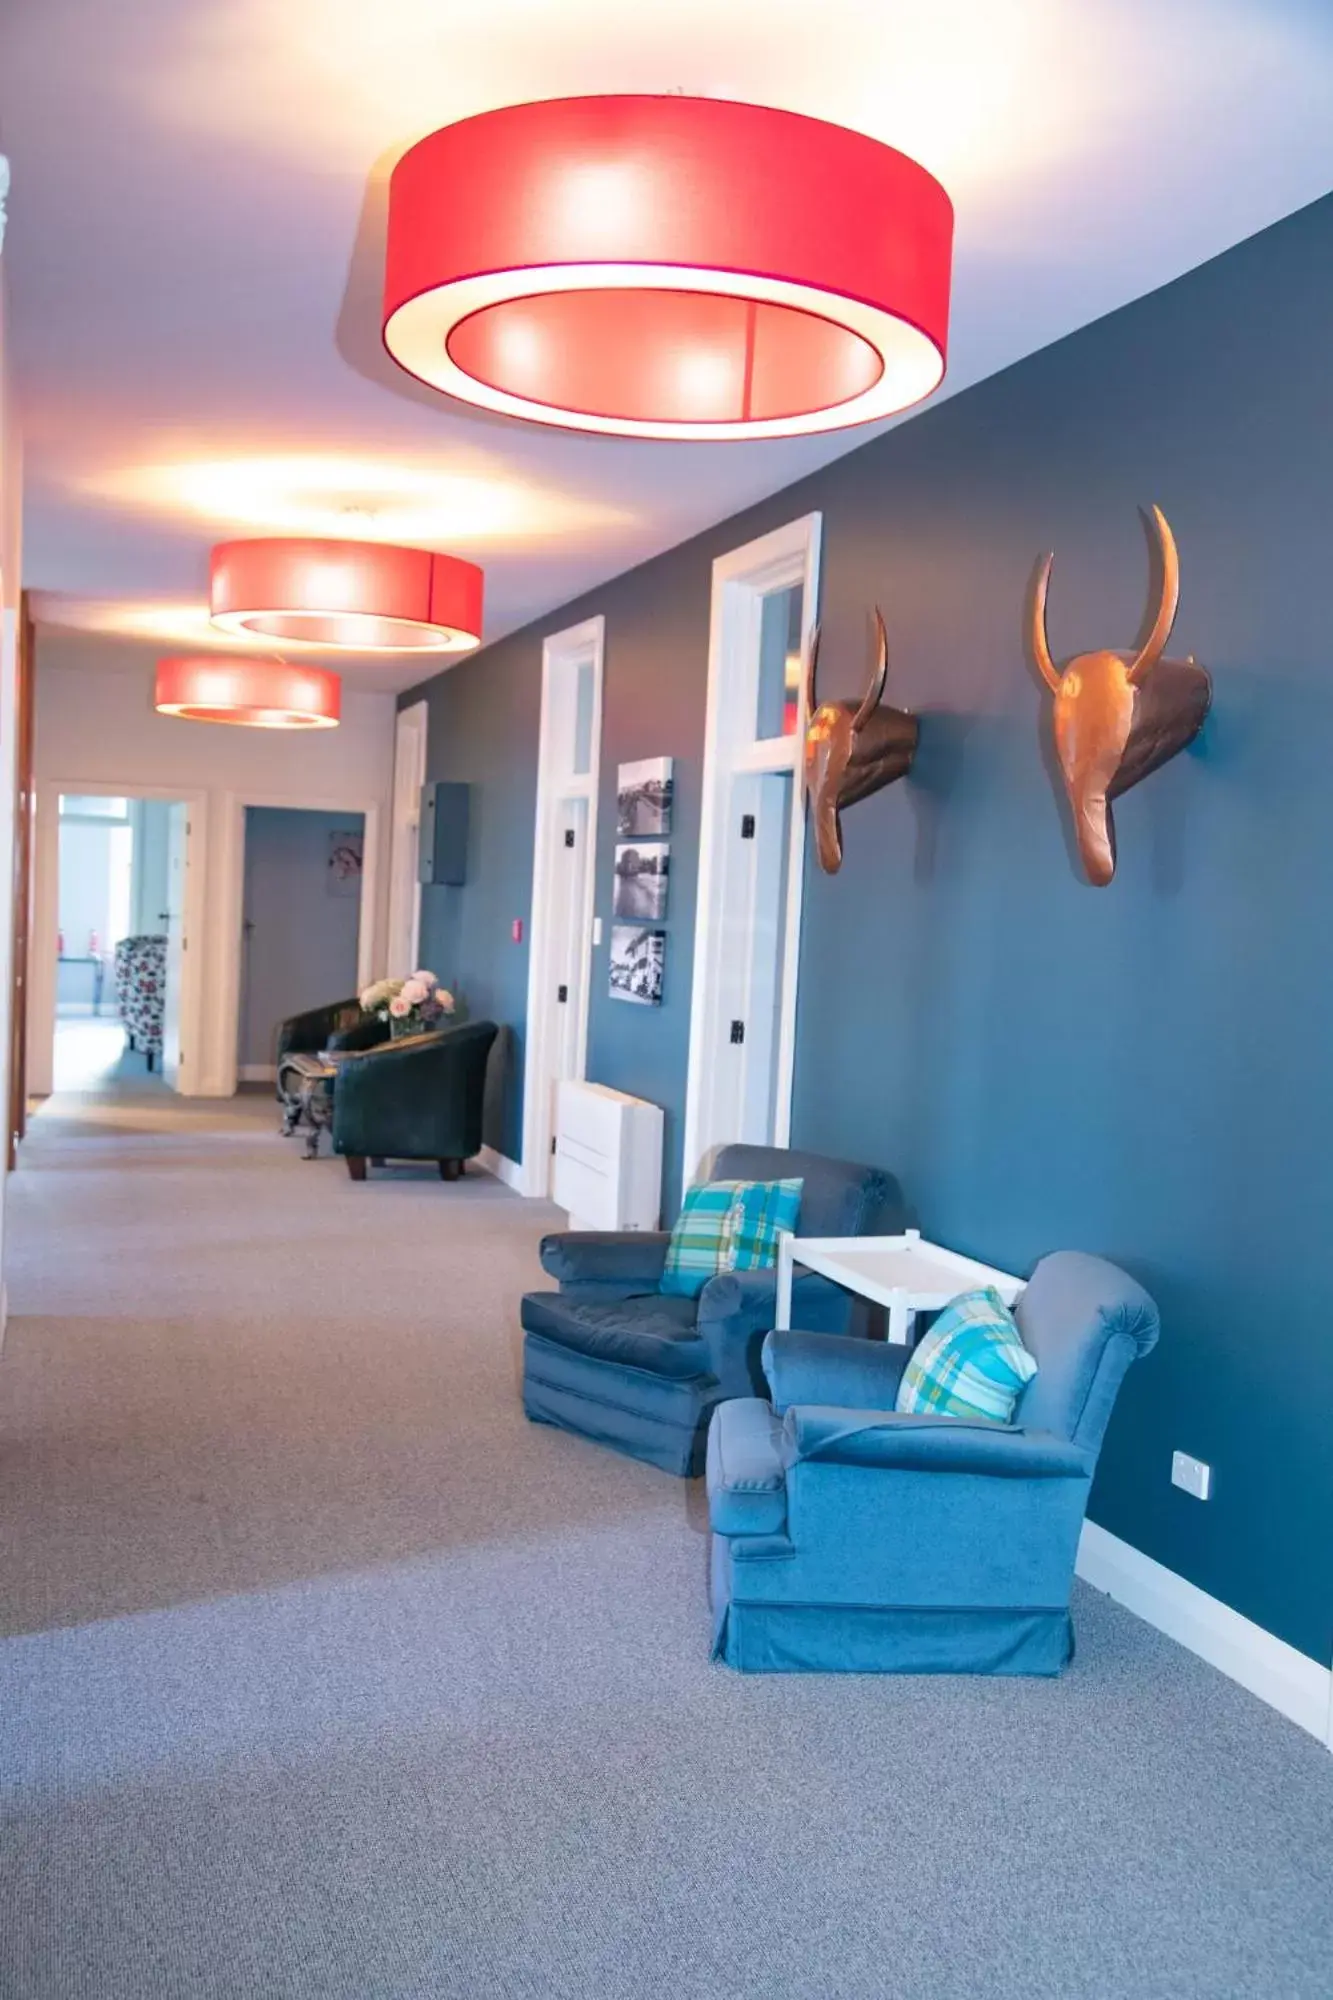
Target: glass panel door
779	688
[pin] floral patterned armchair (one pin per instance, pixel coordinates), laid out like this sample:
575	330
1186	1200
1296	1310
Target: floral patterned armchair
141	989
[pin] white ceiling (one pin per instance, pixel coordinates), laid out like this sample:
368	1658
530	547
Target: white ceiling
196	225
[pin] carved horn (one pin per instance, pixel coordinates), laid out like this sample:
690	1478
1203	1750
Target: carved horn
1041	649
879	674
1155	643
811	667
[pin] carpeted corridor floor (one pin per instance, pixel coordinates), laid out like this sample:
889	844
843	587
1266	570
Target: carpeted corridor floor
326	1677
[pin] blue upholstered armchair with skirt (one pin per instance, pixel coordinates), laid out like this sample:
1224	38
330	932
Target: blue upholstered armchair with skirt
849	1538
614	1359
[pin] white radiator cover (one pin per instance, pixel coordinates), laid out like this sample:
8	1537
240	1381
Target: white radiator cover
608	1158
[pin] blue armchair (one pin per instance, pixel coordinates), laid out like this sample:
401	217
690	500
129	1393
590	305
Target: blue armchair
614	1359
847	1538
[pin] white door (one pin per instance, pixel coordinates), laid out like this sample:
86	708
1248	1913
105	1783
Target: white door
752	842
178	866
563	885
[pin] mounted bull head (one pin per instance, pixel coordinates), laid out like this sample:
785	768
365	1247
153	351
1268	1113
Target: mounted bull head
1119	715
852	751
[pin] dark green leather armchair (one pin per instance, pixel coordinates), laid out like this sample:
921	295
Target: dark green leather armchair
416	1099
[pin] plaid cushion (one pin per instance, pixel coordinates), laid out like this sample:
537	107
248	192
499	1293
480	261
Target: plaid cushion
972	1362
727	1226
694	1254
760	1212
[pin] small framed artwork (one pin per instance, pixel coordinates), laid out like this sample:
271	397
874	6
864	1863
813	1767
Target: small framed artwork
346	860
643	799
642	874
637	960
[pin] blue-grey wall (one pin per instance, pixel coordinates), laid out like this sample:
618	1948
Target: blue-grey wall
1143	1070
299	948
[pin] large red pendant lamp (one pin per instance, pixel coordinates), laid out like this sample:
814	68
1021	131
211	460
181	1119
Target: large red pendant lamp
260	694
668	267
367	596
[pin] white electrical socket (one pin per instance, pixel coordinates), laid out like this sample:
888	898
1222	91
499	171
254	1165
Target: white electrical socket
1191	1475
597	930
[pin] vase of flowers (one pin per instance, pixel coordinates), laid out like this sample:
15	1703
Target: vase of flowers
412	1006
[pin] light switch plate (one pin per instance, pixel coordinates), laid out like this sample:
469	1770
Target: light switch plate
597	930
1191	1475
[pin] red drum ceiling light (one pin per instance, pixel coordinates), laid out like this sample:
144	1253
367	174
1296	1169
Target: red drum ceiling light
668	267
367	596
260	694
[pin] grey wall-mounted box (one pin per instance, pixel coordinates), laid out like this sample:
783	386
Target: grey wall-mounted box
442	840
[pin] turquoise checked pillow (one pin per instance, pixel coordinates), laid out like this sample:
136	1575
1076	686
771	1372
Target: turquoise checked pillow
972	1363
728	1226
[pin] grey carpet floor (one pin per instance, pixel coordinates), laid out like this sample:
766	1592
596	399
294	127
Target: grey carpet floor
325	1676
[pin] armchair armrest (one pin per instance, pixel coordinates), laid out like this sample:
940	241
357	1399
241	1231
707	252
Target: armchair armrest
931	1444
747	1470
832	1368
371	1067
606	1257
367	1033
736	1312
307	1033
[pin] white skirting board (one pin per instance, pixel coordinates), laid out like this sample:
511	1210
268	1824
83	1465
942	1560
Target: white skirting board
504	1169
1288	1680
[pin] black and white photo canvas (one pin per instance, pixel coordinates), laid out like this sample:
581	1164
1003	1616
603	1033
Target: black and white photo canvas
642	874
643	799
637	960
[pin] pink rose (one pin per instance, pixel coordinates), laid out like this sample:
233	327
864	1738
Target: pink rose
399	1007
413	992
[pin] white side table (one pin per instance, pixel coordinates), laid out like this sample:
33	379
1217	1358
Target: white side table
902	1273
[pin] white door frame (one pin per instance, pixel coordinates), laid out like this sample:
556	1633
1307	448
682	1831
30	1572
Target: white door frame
741	579
223	1013
562	650
403	940
43	970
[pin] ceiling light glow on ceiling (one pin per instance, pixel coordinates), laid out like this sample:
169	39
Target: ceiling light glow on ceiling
572	261
367	596
258	694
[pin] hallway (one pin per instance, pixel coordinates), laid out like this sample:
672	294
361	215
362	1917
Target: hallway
324	1674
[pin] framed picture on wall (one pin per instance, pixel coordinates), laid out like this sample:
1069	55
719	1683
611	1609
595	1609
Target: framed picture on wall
643	799
642	874
637	960
346	859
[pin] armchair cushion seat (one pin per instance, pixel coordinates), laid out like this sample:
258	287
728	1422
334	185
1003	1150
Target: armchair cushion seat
661	1419
657	1334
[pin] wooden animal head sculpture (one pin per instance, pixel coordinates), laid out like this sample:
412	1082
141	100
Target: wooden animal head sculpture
851	749
1118	716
